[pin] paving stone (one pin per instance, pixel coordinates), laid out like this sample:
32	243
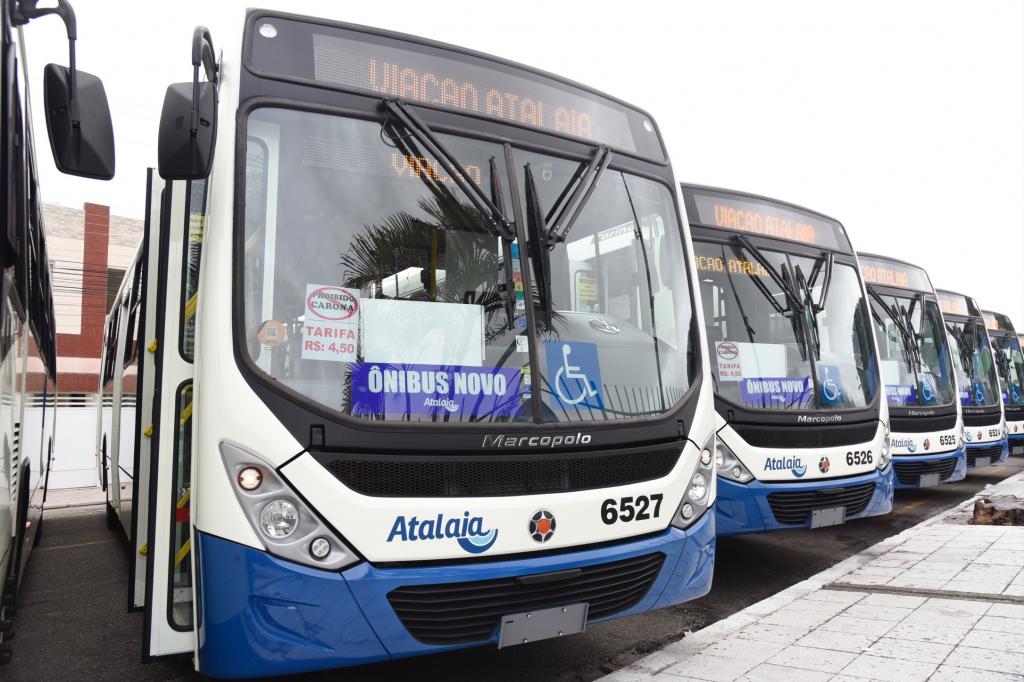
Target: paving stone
987	659
839	641
850	678
889	669
1006	610
768	672
956	607
1007	640
766	632
1007	557
829	607
845	623
810	658
952	673
905	649
890	613
797	618
987	587
745	649
878	571
927	632
1000	624
1014	591
707	667
900	559
918	582
858	578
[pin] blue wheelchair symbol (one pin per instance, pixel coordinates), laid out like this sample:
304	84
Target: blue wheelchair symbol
575	374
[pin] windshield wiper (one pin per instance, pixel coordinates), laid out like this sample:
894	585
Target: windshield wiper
535	244
398	112
794	309
909	339
568	207
966	353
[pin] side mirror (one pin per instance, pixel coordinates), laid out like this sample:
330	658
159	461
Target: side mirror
78	123
188	122
183	154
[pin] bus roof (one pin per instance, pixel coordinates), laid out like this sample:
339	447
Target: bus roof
892	272
429	73
745	212
997	322
953	303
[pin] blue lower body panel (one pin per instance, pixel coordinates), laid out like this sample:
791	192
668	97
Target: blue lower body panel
988	450
744	507
259	615
913	462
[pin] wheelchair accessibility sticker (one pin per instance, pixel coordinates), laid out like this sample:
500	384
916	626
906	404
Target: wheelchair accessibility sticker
830	385
575	374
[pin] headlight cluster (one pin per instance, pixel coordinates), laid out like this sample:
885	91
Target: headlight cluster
885	452
288	528
697	497
960	438
728	465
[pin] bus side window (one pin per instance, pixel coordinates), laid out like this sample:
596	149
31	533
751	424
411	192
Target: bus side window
191	256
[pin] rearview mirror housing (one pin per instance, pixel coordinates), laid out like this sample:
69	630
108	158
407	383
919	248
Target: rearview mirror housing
85	149
181	154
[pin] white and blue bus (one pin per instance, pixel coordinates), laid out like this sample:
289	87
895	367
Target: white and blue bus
1010	363
803	440
417	366
81	139
925	424
977	380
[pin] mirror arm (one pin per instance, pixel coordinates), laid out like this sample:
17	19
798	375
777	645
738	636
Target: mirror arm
202	55
27	10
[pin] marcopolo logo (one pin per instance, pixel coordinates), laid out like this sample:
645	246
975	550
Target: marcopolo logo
794	464
467	530
502	440
819	419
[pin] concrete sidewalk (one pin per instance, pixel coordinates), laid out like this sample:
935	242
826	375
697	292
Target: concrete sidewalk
74	497
943	600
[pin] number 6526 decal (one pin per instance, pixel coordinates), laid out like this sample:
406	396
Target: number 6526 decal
626	509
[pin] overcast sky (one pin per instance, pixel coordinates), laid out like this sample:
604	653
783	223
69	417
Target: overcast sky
903	119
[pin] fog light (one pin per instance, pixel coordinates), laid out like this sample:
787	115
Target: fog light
737	472
687	511
250	478
705	457
279	519
320	548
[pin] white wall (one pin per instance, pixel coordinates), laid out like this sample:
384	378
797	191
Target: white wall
74	460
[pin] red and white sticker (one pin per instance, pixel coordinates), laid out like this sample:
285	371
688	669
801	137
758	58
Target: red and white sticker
330	330
729	365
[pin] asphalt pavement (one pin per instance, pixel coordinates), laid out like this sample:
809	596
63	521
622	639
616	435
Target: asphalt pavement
73	624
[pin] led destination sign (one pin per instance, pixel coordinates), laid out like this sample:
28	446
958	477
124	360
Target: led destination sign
997	322
765	218
889	273
951	303
390	66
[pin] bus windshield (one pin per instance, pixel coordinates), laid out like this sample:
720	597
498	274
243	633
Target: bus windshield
1011	368
375	287
913	350
973	363
785	331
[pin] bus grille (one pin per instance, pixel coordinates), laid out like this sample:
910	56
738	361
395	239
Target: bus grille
460	613
794	507
922	424
816	436
499	475
987	419
992	452
909	473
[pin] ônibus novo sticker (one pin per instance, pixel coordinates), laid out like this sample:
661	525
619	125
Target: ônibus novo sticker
330	330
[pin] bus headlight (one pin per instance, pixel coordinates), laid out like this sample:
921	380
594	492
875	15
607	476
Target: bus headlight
960	438
729	466
288	528
698	495
279	519
885	452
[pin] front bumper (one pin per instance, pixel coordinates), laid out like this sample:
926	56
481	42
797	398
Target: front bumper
744	507
988	450
259	615
908	468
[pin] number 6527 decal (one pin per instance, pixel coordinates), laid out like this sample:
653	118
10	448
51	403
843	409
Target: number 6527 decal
626	509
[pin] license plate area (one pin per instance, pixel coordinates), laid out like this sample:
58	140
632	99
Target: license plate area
928	480
833	516
532	626
982	462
